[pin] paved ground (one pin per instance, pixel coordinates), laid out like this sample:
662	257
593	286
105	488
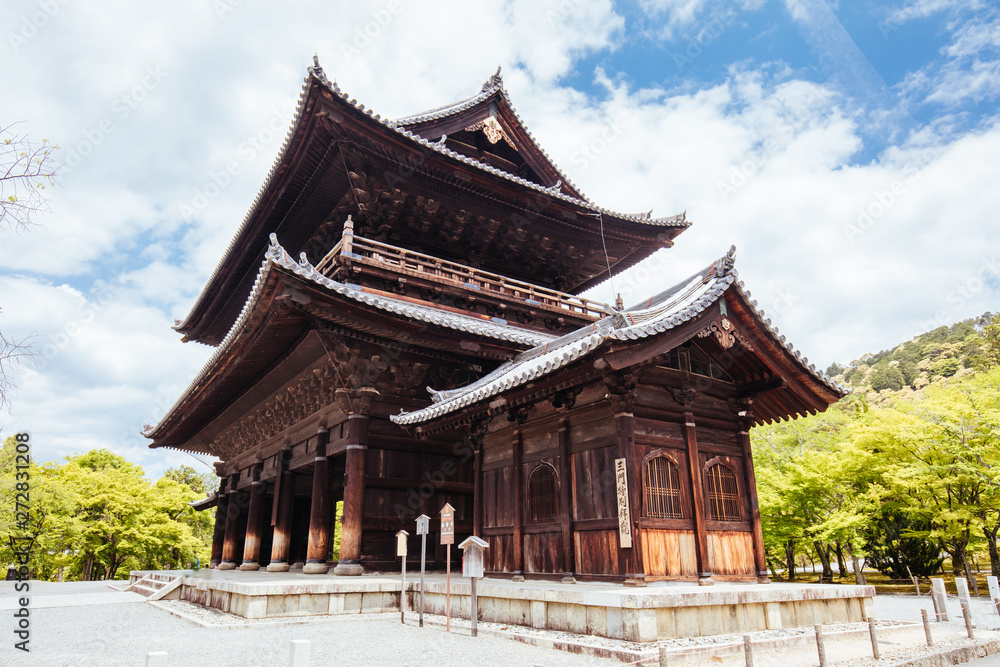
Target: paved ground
110	632
85	623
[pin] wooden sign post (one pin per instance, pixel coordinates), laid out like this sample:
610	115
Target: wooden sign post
401	551
423	525
473	561
447	538
624	518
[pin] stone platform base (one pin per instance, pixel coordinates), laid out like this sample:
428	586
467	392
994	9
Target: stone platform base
659	611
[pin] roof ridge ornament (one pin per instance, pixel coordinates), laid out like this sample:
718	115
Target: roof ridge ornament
725	265
493	81
317	70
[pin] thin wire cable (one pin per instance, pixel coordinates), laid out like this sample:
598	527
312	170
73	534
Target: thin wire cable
607	258
210	467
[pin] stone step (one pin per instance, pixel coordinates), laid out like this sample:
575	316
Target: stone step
143	590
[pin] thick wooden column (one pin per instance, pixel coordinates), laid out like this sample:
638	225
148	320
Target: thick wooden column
477	493
281	516
232	519
518	493
356	404
698	501
565	504
219	533
635	571
255	523
759	554
319	514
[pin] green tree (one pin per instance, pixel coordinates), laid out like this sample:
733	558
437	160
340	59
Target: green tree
885	376
987	355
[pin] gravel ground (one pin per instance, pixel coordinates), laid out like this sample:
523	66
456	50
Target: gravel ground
71	633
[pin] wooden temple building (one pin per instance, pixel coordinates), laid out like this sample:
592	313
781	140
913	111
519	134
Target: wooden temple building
398	325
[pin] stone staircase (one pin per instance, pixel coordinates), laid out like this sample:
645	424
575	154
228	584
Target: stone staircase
155	585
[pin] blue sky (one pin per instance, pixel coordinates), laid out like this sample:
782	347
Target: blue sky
847	149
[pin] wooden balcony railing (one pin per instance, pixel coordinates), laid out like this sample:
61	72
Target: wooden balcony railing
355	249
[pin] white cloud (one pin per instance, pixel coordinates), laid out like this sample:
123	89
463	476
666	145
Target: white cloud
924	8
782	145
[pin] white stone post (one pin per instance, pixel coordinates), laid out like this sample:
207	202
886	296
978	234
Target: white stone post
994	587
940	598
963	590
298	654
156	659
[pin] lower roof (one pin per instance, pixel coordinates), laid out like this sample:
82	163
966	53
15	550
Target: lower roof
653	317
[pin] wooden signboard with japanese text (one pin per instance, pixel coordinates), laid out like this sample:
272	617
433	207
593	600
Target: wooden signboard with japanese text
624	519
447	524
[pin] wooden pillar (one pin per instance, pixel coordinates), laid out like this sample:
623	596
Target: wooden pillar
255	523
319	514
281	516
356	404
477	493
565	504
234	512
635	571
518	507
219	533
354	497
698	501
750	478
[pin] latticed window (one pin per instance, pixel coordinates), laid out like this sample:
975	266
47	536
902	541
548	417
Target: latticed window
542	494
723	494
663	489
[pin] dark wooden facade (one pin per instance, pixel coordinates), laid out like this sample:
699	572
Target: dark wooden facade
438	251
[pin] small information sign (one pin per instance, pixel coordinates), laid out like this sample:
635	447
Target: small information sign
447	524
401	542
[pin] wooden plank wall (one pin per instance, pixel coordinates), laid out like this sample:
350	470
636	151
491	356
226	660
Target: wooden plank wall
668	545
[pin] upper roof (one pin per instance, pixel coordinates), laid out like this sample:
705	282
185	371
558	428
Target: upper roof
307	180
675	306
491	109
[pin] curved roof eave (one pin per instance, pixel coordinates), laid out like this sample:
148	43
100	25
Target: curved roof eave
316	74
278	258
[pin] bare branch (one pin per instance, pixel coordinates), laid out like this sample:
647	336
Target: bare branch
26	169
13	354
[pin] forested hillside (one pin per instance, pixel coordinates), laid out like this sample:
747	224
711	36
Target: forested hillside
905	471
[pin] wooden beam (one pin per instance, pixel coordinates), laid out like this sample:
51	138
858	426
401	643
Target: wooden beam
751	389
751	485
357	403
518	493
219	534
255	524
698	502
281	516
565	503
319	513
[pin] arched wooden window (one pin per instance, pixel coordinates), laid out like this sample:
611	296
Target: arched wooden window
723	494
663	489
542	494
